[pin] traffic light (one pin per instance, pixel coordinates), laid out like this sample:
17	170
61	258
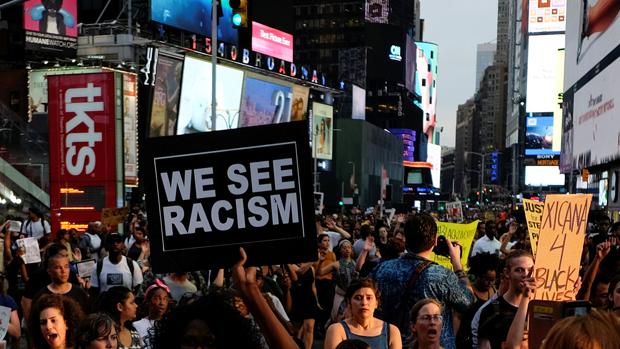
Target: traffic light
239	13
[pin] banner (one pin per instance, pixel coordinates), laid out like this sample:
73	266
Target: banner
130	129
455	210
562	232
211	193
82	148
322	128
461	233
533	216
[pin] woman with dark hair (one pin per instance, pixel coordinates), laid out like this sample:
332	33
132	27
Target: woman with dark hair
120	304
53	322
97	331
362	296
614	294
426	323
156	301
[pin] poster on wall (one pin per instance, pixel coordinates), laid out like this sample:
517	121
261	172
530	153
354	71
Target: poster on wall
266	101
166	93
213	192
322	130
51	27
195	104
299	109
130	129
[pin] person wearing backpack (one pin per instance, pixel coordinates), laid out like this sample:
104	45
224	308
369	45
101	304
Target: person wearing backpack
35	226
90	241
115	269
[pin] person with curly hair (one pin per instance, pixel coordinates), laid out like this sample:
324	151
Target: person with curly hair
97	331
53	322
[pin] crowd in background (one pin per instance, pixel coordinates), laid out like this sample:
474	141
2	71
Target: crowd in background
373	285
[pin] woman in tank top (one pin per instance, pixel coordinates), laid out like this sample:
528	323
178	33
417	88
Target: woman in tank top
363	298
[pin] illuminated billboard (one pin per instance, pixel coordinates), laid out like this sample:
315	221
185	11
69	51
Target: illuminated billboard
433	155
195	103
82	133
322	130
166	93
386	54
51	26
272	42
539	135
426	84
358	107
194	16
537	176
377	11
547	16
542	70
265	101
130	129
592	32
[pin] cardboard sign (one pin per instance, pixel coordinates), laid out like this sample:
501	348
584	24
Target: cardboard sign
31	246
210	193
533	216
114	216
455	210
461	233
562	231
5	319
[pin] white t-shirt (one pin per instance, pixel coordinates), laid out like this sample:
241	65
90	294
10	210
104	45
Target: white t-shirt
36	229
143	326
116	275
484	244
178	290
334	238
95	244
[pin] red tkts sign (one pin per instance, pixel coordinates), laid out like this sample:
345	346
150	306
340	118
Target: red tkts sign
82	148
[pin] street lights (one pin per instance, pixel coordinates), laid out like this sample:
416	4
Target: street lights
481	155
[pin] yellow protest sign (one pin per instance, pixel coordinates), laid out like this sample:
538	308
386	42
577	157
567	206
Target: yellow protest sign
462	233
114	216
562	231
533	215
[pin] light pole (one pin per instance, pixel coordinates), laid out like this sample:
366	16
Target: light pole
481	155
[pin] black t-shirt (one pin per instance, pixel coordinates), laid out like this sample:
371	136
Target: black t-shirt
40	279
76	293
495	321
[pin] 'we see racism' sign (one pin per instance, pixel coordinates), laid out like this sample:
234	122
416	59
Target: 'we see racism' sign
211	193
562	232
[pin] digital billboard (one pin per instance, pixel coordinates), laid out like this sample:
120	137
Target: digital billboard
322	130
358	107
377	11
537	176
539	134
82	133
542	70
426	83
130	129
386	53
51	26
433	156
272	42
547	16
592	32
596	129
194	16
265	101
166	94
195	103
410	63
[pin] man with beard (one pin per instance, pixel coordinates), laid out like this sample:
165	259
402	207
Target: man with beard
496	318
115	269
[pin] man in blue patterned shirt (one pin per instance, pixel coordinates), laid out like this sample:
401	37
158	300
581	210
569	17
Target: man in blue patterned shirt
434	281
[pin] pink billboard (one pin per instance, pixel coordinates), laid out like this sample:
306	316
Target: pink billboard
272	42
52	17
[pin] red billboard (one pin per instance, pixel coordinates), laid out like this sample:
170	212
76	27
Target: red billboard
272	42
82	148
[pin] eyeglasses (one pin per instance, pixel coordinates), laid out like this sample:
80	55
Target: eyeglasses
429	318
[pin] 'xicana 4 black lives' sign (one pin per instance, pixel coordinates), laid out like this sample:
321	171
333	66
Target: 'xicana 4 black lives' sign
211	193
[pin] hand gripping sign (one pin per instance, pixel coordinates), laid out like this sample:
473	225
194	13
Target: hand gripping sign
211	193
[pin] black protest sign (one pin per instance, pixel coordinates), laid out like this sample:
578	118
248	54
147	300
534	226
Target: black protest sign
210	193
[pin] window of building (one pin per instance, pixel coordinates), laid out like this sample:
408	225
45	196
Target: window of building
423	82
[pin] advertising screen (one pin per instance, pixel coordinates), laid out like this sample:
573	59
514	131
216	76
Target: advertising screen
358	108
166	93
194	16
82	147
51	26
592	32
434	157
542	70
596	130
386	53
323	130
539	134
537	176
425	82
265	101
195	104
130	129
547	16
272	42
410	63
377	11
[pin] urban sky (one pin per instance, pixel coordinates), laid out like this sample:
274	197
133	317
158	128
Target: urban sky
457	26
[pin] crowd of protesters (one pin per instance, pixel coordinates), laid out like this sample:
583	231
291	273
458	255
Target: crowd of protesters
373	285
